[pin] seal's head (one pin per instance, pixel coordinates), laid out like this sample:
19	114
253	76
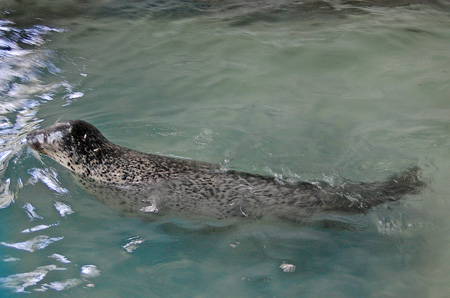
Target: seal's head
72	144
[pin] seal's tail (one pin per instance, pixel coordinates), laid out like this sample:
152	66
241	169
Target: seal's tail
363	196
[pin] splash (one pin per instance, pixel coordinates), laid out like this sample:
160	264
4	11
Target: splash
20	81
29	78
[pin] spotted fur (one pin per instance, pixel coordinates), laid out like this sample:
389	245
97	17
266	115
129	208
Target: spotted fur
145	183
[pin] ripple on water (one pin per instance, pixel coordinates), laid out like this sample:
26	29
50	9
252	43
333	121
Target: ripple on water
309	73
27	281
49	177
36	243
19	282
89	271
60	285
38	228
132	244
63	209
60	258
30	212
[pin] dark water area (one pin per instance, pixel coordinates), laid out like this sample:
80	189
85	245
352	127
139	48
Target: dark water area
297	90
239	12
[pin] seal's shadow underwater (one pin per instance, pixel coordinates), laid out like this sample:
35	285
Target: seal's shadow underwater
144	183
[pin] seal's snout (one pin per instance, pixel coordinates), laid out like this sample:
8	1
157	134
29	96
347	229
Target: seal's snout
35	140
48	139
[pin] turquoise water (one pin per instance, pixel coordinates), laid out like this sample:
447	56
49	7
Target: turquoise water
297	90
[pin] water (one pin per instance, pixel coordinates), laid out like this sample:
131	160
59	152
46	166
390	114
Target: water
297	90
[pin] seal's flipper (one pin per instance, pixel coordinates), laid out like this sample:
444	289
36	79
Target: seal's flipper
367	195
398	185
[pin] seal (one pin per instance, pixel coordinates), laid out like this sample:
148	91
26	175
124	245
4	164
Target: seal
145	183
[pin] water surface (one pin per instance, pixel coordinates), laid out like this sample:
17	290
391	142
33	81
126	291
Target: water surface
297	90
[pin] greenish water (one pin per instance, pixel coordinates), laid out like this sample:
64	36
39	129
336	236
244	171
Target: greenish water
297	90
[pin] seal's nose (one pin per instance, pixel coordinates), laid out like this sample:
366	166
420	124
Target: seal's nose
35	140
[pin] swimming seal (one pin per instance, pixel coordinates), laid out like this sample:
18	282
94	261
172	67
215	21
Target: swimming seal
146	183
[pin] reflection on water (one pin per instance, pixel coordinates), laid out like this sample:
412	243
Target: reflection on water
38	242
38	228
30	211
47	176
23	90
299	90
